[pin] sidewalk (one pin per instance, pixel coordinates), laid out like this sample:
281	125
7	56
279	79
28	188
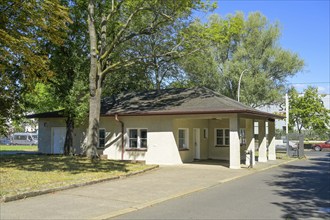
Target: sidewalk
113	198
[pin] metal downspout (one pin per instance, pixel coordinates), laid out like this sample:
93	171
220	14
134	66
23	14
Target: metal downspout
122	136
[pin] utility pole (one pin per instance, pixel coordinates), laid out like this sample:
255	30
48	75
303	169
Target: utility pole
287	113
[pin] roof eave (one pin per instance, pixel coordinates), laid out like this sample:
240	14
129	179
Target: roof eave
155	113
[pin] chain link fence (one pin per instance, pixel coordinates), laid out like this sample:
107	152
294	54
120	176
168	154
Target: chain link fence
295	145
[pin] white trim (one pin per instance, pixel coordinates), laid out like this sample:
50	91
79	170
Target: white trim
186	138
138	138
223	137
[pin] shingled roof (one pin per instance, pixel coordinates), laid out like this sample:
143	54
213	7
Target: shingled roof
176	101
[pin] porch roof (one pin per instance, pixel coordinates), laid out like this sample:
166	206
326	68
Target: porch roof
177	101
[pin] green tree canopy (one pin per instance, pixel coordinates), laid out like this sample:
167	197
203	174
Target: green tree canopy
67	89
112	25
233	45
307	110
25	28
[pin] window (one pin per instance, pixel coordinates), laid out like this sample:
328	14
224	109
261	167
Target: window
242	135
183	138
205	133
222	137
20	137
138	138
101	138
219	137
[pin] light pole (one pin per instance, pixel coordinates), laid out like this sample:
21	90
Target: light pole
287	113
239	84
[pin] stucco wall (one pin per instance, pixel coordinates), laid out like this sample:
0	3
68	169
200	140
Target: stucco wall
188	155
162	138
45	136
222	153
215	152
162	147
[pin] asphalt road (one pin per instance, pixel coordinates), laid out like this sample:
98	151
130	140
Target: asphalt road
298	190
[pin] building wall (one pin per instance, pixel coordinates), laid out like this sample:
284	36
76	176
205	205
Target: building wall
45	136
162	138
162	148
45	133
216	152
188	155
221	152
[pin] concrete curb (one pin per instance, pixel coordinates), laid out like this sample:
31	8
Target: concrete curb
53	190
157	201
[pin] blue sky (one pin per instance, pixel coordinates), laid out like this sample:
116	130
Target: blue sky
305	31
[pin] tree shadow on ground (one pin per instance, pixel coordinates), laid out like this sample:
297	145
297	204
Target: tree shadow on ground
48	163
308	188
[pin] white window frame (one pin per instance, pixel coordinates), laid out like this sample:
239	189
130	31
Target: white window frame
139	138
186	138
105	134
223	138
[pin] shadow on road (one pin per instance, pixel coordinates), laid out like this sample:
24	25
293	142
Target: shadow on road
307	186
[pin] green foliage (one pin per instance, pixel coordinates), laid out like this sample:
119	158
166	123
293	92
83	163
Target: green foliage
307	111
118	30
67	89
26	148
233	45
25	28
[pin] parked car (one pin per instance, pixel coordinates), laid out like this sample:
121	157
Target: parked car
282	146
24	139
320	146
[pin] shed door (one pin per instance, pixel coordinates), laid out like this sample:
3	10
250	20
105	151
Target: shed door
58	139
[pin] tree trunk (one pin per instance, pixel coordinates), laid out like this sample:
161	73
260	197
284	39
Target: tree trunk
93	125
94	89
68	144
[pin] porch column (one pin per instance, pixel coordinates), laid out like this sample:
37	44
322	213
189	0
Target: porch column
234	147
250	142
262	141
271	140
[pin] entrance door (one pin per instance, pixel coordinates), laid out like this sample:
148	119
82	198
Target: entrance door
197	143
58	139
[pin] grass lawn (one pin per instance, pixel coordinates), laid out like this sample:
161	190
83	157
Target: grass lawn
18	148
26	173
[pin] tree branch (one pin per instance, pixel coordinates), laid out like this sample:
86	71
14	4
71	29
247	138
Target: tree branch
119	34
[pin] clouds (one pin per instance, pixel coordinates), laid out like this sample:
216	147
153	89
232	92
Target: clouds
323	88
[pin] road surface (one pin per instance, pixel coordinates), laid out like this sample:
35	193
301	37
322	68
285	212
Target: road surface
296	190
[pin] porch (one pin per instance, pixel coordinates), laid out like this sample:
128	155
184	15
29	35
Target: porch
229	139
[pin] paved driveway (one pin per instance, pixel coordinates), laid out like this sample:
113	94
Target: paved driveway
115	197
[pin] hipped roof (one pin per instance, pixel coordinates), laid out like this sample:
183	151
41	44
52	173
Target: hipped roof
175	101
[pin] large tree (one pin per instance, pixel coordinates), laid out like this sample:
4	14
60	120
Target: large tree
307	110
25	27
112	26
67	90
235	47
